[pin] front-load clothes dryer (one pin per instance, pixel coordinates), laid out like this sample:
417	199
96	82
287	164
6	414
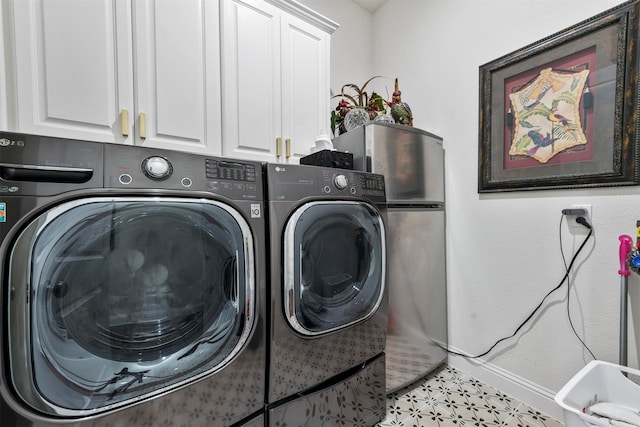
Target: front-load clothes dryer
328	306
132	286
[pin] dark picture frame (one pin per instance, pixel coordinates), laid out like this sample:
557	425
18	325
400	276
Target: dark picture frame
563	112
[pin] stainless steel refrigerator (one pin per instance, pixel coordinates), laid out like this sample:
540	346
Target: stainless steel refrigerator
412	162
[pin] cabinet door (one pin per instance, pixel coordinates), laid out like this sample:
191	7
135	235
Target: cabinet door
4	86
305	87
177	78
275	81
73	67
251	88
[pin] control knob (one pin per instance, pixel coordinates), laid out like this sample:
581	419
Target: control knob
340	181
157	168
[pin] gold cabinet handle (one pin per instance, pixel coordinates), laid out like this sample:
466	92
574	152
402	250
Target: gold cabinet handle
124	122
278	147
143	125
287	144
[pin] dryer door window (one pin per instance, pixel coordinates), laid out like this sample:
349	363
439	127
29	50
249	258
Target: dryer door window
120	299
334	257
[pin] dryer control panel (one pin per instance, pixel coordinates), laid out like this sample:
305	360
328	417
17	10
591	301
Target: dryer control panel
353	182
293	182
372	185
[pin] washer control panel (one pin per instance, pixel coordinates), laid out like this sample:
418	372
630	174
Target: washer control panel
157	168
138	167
234	171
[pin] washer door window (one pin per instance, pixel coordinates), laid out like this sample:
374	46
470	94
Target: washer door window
334	257
127	298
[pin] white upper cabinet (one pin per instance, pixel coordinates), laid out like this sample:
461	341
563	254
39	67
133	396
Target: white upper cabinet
152	73
177	69
72	67
4	87
275	74
141	72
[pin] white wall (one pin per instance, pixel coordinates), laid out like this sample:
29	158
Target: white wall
503	249
351	44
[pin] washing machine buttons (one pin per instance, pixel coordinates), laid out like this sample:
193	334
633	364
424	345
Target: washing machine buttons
157	168
186	182
125	179
340	181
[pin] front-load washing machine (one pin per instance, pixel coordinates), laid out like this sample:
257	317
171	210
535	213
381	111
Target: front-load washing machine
132	286
328	306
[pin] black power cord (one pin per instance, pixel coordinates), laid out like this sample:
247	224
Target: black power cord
583	221
535	310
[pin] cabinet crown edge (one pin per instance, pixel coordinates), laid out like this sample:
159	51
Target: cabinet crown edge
306	14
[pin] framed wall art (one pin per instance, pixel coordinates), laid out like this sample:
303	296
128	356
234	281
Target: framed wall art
563	112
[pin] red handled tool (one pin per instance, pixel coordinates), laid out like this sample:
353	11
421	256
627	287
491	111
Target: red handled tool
623	252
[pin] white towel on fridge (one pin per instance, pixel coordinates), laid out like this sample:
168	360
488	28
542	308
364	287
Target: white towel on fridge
618	415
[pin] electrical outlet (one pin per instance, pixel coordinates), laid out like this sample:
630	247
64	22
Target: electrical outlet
571	218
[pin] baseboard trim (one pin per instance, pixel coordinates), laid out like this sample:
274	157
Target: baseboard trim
532	394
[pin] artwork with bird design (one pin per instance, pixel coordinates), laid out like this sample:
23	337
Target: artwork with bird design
546	114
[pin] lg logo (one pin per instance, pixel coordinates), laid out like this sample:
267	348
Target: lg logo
4	142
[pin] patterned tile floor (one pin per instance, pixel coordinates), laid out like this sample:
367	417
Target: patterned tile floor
449	397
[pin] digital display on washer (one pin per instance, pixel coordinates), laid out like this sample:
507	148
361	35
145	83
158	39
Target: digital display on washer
234	171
